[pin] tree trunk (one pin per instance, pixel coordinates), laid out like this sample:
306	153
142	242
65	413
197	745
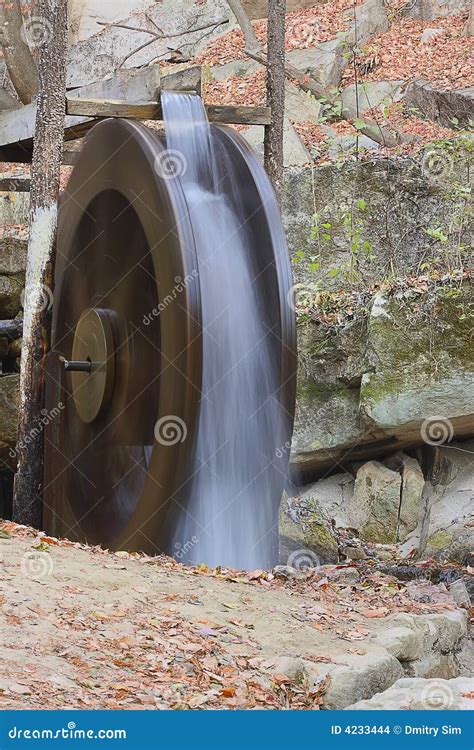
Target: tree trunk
47	155
469	27
18	58
273	143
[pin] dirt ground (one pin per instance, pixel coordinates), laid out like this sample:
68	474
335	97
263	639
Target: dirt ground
84	628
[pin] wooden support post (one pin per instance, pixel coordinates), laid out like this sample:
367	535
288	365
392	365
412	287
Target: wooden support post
47	155
273	142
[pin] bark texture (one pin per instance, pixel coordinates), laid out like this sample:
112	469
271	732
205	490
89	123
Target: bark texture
18	58
273	142
47	155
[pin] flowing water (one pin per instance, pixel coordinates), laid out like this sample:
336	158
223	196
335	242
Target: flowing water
230	513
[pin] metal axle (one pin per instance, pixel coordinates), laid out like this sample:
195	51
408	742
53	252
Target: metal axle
77	366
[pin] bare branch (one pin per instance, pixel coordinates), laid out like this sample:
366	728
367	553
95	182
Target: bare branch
255	51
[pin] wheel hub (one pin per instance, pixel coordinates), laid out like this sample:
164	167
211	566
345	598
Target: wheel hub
93	343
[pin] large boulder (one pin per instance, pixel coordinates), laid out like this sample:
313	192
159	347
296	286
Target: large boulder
294	152
429	10
416	694
444	106
376	503
400	375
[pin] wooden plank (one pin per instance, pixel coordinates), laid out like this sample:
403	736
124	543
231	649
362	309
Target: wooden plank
239	115
152	111
114	108
14	185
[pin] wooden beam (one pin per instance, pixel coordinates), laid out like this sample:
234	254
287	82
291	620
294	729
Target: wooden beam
152	111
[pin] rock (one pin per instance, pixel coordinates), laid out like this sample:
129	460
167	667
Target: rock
285	571
96	57
384	553
430	35
292	667
370	94
9	400
446	107
460	594
14	208
305	537
411	694
11	288
294	152
404	395
14	348
404	643
376	501
346	143
13	255
235	69
358	676
413	483
429	10
345	576
371	20
299	106
353	553
325	63
447	520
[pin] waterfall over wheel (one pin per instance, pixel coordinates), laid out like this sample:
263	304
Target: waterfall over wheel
171	374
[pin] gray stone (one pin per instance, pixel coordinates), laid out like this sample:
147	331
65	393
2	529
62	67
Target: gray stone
448	517
11	288
369	94
411	694
235	68
429	10
351	143
94	58
413	483
325	63
300	106
376	501
430	35
306	538
460	594
12	255
353	553
9	400
294	152
447	107
404	643
360	676
14	208
371	20
344	576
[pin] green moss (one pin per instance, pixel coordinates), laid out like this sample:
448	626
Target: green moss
318	537
440	540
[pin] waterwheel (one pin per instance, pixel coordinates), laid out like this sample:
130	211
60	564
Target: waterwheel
128	358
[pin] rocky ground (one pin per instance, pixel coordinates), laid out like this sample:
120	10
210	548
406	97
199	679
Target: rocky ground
84	628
